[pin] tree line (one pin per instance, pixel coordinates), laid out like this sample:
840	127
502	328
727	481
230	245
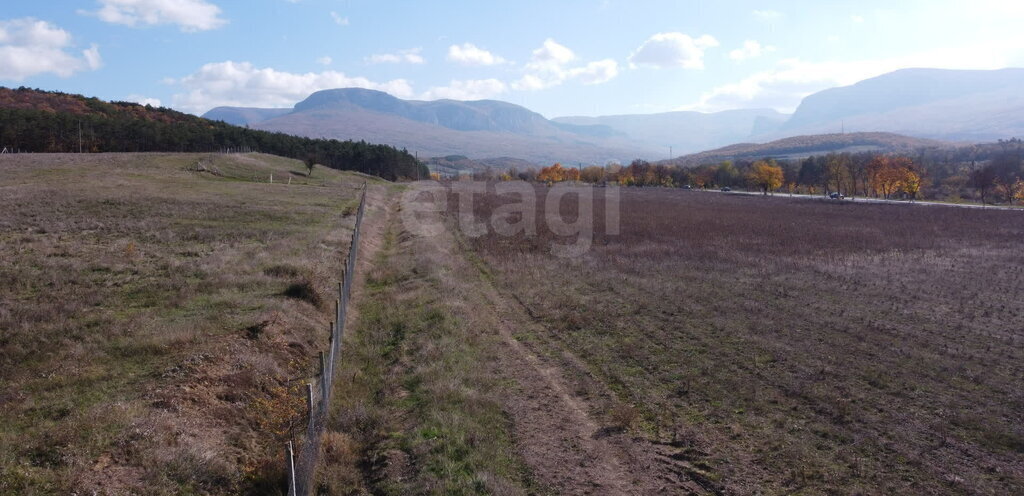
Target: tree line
990	173
52	122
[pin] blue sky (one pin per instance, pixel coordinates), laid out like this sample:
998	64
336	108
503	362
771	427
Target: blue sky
571	57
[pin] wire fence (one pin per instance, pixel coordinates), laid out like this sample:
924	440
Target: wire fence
301	461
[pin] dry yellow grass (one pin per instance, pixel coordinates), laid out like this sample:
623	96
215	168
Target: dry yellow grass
148	342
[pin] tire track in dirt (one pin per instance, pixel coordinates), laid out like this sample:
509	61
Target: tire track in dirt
550	418
566	448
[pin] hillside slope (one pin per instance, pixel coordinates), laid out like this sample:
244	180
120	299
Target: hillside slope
803	146
54	122
931	103
151	329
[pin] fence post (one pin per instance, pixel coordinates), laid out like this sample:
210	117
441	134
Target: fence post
337	305
330	348
289	461
325	380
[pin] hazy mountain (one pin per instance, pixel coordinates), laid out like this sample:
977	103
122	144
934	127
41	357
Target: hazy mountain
687	132
804	146
932	103
925	103
241	116
479	129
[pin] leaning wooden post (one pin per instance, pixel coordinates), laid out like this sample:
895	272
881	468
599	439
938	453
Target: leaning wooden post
332	349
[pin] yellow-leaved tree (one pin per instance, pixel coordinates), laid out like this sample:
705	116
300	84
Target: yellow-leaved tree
766	176
911	182
1018	190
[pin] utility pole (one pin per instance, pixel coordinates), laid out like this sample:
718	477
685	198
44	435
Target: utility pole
670	152
79	136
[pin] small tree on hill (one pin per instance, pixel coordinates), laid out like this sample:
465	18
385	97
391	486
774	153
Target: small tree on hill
310	162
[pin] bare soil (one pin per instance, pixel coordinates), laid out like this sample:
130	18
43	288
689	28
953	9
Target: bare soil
782	346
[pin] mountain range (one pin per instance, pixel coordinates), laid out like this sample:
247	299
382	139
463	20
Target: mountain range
950	105
953	105
479	129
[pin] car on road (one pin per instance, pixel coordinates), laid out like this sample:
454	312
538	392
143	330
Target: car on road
837	196
726	189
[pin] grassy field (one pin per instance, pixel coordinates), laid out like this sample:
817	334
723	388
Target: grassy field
159	314
793	346
418	405
156	317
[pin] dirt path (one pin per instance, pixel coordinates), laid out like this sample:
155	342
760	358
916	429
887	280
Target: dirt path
556	429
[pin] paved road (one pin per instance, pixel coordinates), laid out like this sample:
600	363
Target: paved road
876	200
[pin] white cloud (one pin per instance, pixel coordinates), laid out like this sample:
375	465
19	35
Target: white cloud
325	60
338	19
767	15
552	53
597	72
244	85
29	47
92	57
474	89
533	82
750	49
672	50
142	100
189	15
857	19
470	54
549	67
410	56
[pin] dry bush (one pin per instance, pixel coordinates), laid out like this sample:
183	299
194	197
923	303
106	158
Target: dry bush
304	289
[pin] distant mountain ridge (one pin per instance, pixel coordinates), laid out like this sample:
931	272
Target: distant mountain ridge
482	128
928	103
952	105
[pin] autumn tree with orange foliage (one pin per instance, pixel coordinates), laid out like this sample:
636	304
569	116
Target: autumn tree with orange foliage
1017	191
890	175
552	174
766	176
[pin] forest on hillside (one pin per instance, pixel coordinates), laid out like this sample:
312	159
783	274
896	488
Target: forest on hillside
51	122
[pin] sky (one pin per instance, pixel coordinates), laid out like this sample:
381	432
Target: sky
556	57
